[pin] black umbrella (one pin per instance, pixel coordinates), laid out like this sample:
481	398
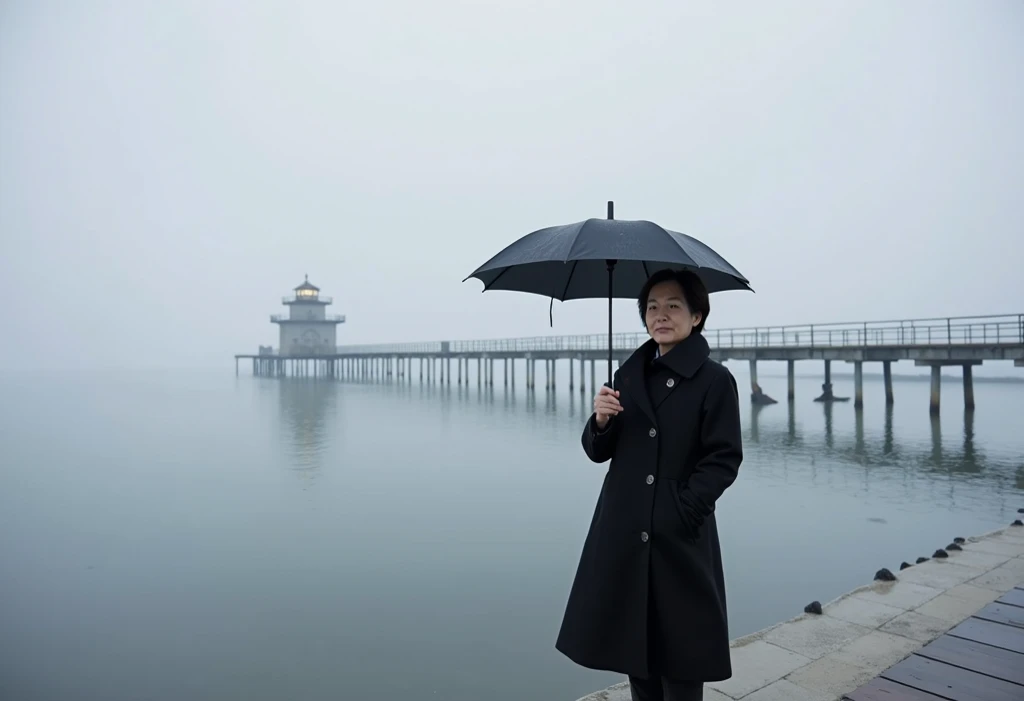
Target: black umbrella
599	258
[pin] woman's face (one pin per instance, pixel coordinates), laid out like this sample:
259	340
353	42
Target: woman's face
668	318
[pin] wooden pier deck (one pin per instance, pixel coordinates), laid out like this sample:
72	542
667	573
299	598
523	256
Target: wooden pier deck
981	659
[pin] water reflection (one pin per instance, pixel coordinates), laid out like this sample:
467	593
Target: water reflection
865	450
307	411
819	437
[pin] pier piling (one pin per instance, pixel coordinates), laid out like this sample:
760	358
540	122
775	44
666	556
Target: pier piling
887	376
858	384
968	388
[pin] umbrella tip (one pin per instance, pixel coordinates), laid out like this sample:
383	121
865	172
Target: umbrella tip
611	209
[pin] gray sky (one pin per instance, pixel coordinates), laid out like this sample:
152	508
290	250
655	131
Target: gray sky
169	170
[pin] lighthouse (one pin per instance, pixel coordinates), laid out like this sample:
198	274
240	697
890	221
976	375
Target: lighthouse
307	330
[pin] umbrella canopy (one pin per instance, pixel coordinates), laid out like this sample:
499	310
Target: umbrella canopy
602	258
571	261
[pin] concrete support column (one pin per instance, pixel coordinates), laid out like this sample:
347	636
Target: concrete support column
505	361
448	372
858	384
583	383
757	395
512	371
887	376
572	373
933	404
968	388
593	376
791	380
490	373
552	366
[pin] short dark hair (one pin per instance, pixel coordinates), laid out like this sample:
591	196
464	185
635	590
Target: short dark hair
694	292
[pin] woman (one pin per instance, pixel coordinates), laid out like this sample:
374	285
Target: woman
649	595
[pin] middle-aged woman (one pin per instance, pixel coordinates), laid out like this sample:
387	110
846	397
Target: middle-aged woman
648	599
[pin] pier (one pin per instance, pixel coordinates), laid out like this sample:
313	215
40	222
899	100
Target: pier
948	628
963	342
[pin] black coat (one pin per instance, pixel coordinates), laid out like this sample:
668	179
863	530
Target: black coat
649	593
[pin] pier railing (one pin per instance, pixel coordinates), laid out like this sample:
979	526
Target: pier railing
948	331
278	318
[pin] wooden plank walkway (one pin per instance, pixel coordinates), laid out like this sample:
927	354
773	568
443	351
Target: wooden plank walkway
981	659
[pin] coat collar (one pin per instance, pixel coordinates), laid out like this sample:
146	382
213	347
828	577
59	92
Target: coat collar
685	359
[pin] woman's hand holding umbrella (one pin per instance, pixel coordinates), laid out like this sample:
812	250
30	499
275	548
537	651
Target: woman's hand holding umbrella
606	405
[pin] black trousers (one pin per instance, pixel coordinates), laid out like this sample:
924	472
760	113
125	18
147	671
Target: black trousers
662	689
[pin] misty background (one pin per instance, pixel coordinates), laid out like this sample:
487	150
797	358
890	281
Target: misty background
169	170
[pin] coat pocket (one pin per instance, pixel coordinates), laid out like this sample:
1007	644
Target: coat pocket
690	531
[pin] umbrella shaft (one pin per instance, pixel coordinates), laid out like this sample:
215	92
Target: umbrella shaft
611	346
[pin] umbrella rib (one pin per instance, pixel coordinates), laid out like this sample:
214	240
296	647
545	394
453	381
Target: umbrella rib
569	280
496	278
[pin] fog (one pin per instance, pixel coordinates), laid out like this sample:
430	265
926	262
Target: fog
169	170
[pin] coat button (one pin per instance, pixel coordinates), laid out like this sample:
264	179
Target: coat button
670	383
650	479
652	433
644	537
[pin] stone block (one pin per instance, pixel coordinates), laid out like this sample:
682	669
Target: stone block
876	651
1016	564
863	612
757	665
1010	535
1001	579
815	636
940	574
831	677
974	593
899	594
976	558
997	547
784	690
951	609
917	626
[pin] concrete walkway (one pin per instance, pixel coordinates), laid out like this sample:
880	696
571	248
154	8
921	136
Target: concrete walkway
863	633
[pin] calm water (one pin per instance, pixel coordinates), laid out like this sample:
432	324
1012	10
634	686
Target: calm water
197	535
